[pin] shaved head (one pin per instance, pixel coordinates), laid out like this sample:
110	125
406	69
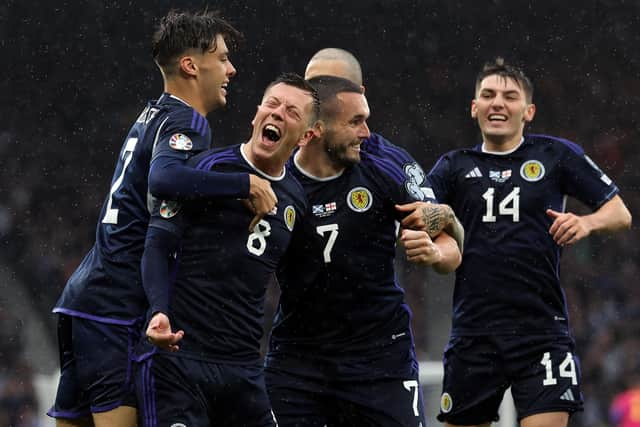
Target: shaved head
334	62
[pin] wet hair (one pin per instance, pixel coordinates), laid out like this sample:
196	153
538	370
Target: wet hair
500	68
179	32
296	80
328	88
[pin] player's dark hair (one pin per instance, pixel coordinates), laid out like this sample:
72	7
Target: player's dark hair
295	80
178	32
328	87
501	68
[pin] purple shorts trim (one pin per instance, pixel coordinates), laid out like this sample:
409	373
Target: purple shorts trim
95	318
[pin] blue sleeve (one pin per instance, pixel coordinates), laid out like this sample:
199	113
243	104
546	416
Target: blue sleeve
584	180
171	178
159	246
399	164
438	180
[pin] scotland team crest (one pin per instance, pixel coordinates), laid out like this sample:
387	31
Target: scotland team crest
446	403
359	199
532	170
180	142
169	208
289	217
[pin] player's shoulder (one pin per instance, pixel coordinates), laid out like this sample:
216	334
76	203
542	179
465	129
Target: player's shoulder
294	186
181	116
215	156
554	143
377	143
459	156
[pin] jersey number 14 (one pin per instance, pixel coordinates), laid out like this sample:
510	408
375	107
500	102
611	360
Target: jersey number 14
510	205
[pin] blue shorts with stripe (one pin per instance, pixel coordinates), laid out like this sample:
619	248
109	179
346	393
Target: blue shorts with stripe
542	371
181	391
96	366
381	389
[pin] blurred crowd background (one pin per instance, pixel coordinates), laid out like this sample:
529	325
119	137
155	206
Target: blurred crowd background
76	73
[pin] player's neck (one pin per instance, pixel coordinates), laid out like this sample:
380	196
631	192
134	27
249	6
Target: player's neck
271	168
316	162
501	145
186	94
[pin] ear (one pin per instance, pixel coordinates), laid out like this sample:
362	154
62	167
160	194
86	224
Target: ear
318	129
363	89
188	66
529	112
306	137
474	109
313	132
253	121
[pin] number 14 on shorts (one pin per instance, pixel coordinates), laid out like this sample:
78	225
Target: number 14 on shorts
566	369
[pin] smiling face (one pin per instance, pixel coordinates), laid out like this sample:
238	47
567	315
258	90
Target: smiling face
502	109
281	123
215	72
347	129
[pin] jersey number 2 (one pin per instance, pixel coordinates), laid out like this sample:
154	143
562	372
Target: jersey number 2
111	215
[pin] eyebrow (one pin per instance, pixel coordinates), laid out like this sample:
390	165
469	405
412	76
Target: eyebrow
217	50
289	106
508	92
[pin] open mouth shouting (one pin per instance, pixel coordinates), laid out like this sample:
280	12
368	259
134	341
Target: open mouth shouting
271	134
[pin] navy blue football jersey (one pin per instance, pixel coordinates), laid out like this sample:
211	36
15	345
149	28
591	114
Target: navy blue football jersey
388	152
339	294
223	269
107	284
508	282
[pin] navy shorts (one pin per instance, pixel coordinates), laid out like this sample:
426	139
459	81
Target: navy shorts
315	394
542	371
177	391
95	367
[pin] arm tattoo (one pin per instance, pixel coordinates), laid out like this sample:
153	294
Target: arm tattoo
441	217
436	218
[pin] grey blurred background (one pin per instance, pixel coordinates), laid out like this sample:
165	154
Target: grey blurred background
75	74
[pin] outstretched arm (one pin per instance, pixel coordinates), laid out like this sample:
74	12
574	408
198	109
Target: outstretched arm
568	228
170	178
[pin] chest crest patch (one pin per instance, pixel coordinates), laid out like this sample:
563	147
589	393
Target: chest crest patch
359	199
532	170
289	217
